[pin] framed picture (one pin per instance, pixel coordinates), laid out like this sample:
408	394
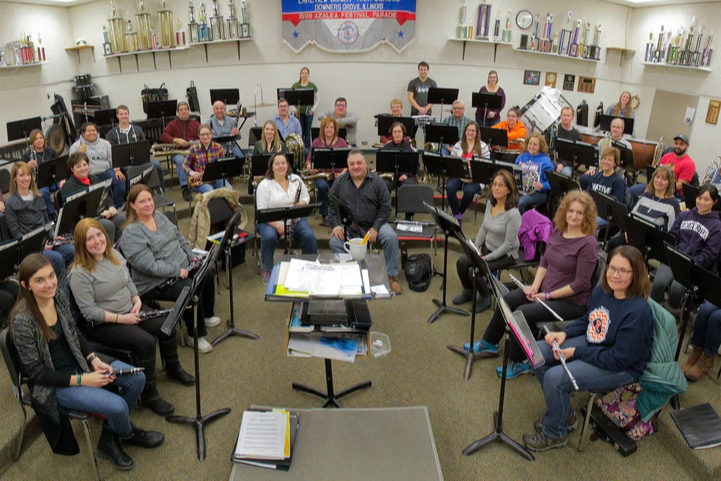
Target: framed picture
586	85
532	77
551	79
569	81
714	106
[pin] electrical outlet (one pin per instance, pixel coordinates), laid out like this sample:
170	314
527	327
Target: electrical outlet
364	142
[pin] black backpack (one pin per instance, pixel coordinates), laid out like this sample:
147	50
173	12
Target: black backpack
418	272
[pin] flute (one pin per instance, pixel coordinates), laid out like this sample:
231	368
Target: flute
555	346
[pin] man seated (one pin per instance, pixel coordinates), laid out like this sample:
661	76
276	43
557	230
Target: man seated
682	164
567	131
344	118
371	203
287	124
459	120
128	133
199	155
181	131
100	154
224	126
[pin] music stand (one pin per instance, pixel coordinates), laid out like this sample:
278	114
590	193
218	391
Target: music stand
225	244
199	421
605	123
647	238
263	216
20	129
386	121
161	110
52	171
578	153
315	132
560	185
139	175
223	168
9	258
396	162
516	324
685	272
106	117
610	210
491	136
450	227
482	170
132	154
323	158
441	133
228	96
297	97
487	100
443	167
437	95
33	242
80	205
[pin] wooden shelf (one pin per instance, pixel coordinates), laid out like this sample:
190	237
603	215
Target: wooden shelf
555	55
622	50
686	67
34	64
479	40
78	48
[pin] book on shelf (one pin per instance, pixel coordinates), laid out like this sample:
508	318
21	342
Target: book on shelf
340	346
266	439
700	425
298	312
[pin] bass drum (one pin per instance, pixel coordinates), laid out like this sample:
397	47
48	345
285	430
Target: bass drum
294	144
56	138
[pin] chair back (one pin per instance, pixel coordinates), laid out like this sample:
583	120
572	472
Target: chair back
5	181
12	359
411	198
219	210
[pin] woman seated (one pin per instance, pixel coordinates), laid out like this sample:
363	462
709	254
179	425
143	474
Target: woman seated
705	341
535	162
25	211
80	178
107	298
269	143
497	239
605	348
623	107
327	139
38	153
66	373
468	147
399	141
697	233
606	180
658	204
199	155
396	111
515	129
157	252
281	188
562	281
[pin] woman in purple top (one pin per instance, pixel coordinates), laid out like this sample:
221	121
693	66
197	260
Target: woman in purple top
328	139
563	280
493	116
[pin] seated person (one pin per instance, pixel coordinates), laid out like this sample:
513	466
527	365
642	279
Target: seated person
467	148
344	118
199	155
535	162
128	133
100	155
399	142
38	153
396	111
25	211
458	120
605	348
515	128
623	107
684	168
285	122
225	126
606	180
270	142
371	201
567	131
328	139
704	343
181	131
80	178
497	239
282	188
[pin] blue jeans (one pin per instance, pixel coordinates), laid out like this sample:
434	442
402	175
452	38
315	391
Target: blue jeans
322	187
707	329
529	201
182	176
119	187
567	170
306	122
637	190
556	384
269	241
115	408
470	189
389	240
205	188
60	258
46	197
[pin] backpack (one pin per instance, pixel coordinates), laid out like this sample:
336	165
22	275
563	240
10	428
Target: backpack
418	272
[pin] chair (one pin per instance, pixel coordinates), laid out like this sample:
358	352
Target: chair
220	213
521	265
19	379
159	198
410	201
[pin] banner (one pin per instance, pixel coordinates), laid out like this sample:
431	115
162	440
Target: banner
348	25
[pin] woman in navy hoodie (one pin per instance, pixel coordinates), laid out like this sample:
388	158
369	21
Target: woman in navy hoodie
534	162
697	232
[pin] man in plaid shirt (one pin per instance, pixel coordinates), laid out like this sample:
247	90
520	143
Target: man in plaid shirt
199	155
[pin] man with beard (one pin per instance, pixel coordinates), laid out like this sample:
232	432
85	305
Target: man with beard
681	163
181	131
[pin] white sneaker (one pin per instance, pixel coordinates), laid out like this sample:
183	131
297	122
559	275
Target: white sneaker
203	345
212	321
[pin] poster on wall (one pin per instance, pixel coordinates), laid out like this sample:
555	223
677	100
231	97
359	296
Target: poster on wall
348	26
531	77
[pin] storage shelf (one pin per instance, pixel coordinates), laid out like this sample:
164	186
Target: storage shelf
551	54
687	67
479	40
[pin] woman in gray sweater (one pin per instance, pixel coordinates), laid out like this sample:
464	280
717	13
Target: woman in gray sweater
497	240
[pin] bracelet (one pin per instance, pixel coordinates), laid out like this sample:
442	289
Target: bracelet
79	379
91	358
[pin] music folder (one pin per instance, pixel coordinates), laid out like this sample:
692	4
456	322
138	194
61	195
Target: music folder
80	205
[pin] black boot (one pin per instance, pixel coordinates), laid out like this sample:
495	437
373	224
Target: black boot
151	397
109	448
144	439
169	353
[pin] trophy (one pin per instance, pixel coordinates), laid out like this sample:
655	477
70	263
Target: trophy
107	49
144	34
205	34
231	23
117	28
659	46
584	47
506	35
706	56
244	26
180	35
594	50
192	25
217	24
696	57
573	47
650	50
165	22
545	42
484	21
534	37
463	27
497	29
564	42
686	53
41	49
131	37
673	50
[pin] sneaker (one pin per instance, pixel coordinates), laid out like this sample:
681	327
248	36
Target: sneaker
266	277
515	369
203	345
482	304
571	423
540	442
482	347
212	321
186	194
463	297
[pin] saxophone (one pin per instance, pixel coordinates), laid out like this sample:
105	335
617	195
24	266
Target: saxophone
290	227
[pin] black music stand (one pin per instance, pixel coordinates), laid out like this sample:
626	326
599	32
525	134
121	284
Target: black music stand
647	238
385	122
610	210
80	205
52	171
199	421
578	153
443	167
396	162
605	123
685	272
482	170
106	117
228	96
450	227
443	96
9	258
487	100
225	244
161	110
516	324
20	129
263	216
297	97
560	185
315	133
478	271
323	158
497	137
442	134
33	242
132	154
139	175
223	168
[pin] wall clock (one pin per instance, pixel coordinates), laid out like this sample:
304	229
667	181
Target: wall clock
524	19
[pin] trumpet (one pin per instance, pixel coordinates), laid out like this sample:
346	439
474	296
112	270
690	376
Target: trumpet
658	151
712	171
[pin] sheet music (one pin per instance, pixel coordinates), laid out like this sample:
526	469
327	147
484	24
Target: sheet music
409	227
263	435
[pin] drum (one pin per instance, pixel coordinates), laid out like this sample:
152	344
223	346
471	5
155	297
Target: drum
591	138
643	151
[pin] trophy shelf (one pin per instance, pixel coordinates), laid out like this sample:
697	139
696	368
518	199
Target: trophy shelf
33	64
78	48
551	54
622	50
670	65
479	40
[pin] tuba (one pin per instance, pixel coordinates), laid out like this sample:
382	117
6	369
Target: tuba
658	151
294	144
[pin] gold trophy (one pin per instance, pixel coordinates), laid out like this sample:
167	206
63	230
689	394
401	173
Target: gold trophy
165	22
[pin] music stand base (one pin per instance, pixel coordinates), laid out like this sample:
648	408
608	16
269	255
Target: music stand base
470	358
331	398
443	308
233	331
199	422
501	437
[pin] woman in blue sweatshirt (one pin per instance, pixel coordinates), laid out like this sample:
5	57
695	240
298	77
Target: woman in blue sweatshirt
534	162
606	348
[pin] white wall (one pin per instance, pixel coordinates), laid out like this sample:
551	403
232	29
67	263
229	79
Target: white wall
369	80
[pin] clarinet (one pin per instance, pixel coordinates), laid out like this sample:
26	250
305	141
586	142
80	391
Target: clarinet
191	267
294	222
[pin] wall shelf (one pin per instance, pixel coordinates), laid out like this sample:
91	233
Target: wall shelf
551	54
78	48
478	40
686	67
34	64
623	51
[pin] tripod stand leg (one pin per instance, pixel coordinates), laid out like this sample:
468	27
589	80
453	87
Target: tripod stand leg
442	306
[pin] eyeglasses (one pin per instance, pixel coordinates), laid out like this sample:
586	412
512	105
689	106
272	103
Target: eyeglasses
621	272
203	134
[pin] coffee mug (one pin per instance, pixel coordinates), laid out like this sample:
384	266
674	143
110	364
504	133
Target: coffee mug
356	248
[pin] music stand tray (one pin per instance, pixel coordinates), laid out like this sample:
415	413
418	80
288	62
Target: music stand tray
20	129
578	153
609	209
298	96
396	161
106	117
9	258
52	171
442	134
492	136
487	100
605	123
647	238
263	216
161	110
228	96
33	242
133	154
445	96
482	170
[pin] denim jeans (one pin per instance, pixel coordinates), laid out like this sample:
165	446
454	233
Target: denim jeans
113	407
529	201
556	384
470	189
389	240
206	301
182	176
205	188
45	191
463	265
60	258
306	122
637	190
707	329
269	241
119	187
322	187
